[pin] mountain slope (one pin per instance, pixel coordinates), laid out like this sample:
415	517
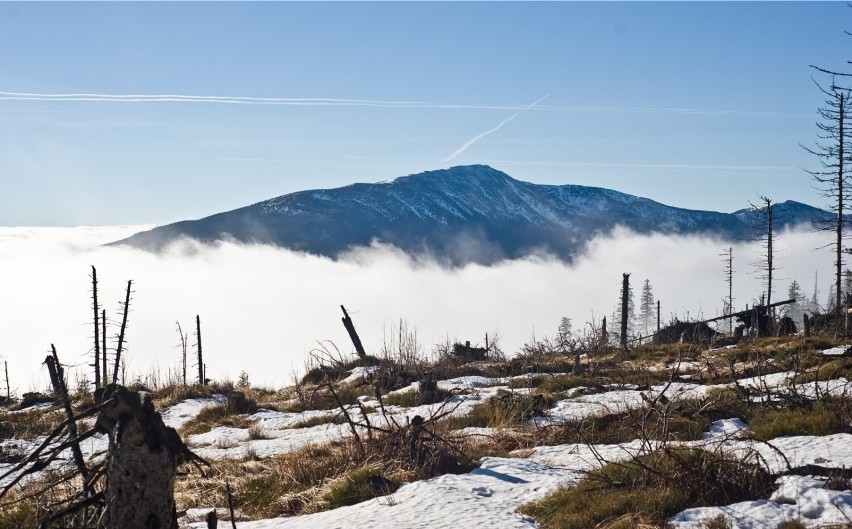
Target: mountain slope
463	214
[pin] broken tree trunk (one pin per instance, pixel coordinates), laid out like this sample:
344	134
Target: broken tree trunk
121	333
143	458
350	328
658	315
58	380
8	390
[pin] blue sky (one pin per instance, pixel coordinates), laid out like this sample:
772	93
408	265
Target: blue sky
699	105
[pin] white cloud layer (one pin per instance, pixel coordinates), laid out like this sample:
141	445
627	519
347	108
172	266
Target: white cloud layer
263	309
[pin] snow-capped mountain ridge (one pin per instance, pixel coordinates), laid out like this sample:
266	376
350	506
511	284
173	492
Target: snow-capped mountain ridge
461	214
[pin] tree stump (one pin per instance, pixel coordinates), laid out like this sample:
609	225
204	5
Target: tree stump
143	459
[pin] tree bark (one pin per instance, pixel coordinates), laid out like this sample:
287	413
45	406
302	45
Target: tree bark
97	330
625	288
143	459
350	328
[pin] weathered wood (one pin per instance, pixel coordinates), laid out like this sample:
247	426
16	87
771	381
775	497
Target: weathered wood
200	356
97	327
183	347
58	380
8	388
807	325
625	288
231	505
104	342
658	315
121	332
746	313
353	335
142	464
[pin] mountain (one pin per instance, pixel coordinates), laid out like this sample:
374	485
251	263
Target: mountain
459	215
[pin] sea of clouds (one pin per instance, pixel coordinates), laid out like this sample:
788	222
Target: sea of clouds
264	309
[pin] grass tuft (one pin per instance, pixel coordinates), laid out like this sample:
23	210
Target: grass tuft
211	416
650	489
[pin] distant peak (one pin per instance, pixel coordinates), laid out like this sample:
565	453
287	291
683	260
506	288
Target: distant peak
459	172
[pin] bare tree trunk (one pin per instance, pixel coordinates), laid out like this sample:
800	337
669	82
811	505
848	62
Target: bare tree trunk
658	316
183	346
121	333
625	287
839	227
104	343
97	330
200	357
769	255
58	379
350	328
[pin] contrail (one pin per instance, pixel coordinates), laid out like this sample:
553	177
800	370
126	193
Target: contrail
177	98
478	137
315	101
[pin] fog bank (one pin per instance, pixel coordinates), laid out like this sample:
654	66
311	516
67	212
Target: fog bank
263	308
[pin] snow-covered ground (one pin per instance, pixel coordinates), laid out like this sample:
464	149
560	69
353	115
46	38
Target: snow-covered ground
489	495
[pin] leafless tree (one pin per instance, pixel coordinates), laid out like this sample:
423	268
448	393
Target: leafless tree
765	265
832	178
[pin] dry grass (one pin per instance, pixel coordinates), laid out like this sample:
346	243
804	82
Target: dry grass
650	489
171	395
27	504
718	522
212	416
256	433
31	424
311	479
319	420
818	419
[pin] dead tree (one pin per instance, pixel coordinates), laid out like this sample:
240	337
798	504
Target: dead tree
766	264
353	335
658	315
57	378
183	346
143	459
8	388
126	307
832	179
135	482
104	341
728	256
201	379
97	330
625	294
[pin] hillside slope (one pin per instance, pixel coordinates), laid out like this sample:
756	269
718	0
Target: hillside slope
458	215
